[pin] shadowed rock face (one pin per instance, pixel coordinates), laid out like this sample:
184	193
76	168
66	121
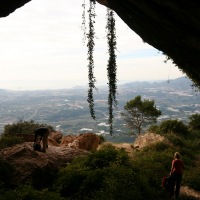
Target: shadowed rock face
172	27
87	141
42	167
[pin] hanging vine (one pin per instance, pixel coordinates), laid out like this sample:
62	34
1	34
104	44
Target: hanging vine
111	66
90	45
83	27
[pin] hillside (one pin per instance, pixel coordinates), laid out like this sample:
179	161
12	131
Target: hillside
149	139
67	172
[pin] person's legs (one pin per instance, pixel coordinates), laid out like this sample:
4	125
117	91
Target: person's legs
36	143
45	140
178	184
172	185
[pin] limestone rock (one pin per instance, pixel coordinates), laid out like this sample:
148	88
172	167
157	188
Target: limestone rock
148	139
52	142
28	163
66	140
87	141
37	165
57	136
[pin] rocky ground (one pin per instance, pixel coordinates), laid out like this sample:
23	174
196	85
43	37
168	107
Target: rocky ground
28	163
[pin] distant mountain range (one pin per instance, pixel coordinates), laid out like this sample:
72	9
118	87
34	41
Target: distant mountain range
181	83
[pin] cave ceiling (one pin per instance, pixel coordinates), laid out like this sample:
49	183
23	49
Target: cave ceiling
170	26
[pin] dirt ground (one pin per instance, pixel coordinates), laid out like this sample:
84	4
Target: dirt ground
190	192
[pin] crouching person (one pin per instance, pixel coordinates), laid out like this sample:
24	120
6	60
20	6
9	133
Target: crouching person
41	134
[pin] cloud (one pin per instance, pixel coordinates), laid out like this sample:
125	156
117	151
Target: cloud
43	41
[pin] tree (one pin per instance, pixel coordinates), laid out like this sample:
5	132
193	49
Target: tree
173	127
194	122
138	113
111	66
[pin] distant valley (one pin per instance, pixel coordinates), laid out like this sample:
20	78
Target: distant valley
67	109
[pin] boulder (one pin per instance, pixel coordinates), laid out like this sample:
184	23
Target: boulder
57	136
66	140
41	167
148	139
86	141
52	142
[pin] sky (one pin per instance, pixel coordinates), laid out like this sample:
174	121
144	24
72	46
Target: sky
42	47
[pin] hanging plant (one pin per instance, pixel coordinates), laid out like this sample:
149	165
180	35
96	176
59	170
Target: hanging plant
90	45
83	27
111	67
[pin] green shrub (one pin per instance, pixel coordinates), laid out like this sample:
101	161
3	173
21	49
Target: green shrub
24	127
192	178
124	183
44	177
9	140
176	140
106	156
154	164
173	127
159	146
153	128
104	174
27	192
194	122
110	174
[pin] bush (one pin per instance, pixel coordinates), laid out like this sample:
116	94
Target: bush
173	127
110	174
104	174
124	183
154	163
194	122
191	178
153	128
176	140
9	141
27	192
106	156
24	127
159	147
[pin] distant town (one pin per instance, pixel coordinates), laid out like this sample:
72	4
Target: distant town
67	110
